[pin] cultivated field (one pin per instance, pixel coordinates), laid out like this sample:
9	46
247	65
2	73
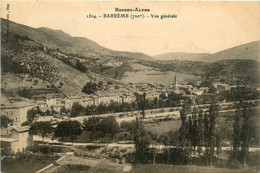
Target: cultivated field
164	126
144	74
159	168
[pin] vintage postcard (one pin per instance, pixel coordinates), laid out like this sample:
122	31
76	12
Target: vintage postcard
121	86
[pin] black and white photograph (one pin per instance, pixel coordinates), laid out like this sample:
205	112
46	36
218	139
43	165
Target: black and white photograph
130	86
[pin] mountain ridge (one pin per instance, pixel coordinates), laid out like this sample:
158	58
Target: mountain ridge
76	45
250	51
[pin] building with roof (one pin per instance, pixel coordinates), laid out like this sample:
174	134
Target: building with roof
16	111
16	141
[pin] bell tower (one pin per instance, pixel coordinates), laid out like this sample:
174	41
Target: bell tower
175	83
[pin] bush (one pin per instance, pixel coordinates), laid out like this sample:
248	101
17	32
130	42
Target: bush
221	164
171	110
73	168
44	149
234	164
26	123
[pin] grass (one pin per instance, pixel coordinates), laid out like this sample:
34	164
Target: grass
30	164
159	168
70	168
153	76
105	166
163	127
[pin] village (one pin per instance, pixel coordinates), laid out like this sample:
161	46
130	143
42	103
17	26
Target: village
59	109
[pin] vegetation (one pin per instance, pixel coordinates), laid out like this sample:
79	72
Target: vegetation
32	114
70	129
242	133
101	127
26	162
5	121
41	128
142	141
89	88
76	110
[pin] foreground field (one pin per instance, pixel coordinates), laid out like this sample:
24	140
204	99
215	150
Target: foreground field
163	127
159	168
30	164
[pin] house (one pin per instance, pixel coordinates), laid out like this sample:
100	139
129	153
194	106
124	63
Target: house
72	99
16	141
204	89
127	98
151	95
51	102
192	98
109	98
221	86
41	104
16	111
87	101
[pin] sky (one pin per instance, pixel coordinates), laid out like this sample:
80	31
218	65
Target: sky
200	27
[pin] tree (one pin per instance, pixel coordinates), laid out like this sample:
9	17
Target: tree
142	105
92	125
80	66
41	128
32	114
89	88
206	134
5	121
236	135
64	110
100	83
102	108
218	143
70	129
209	84
194	132
142	140
183	129
109	126
48	113
200	132
76	109
127	126
109	82
213	113
245	133
155	102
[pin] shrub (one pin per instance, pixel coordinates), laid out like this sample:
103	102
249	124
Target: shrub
73	168
171	110
234	164
44	149
221	163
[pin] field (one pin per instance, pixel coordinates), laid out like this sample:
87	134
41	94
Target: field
159	168
144	74
30	164
75	164
163	127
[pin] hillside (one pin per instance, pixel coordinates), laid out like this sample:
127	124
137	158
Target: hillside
40	72
181	56
56	39
245	70
249	51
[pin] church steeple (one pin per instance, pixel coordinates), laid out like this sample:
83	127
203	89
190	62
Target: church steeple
175	84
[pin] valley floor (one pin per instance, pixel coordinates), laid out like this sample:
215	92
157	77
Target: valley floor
160	168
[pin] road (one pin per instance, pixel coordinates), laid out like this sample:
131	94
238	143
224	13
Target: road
121	145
